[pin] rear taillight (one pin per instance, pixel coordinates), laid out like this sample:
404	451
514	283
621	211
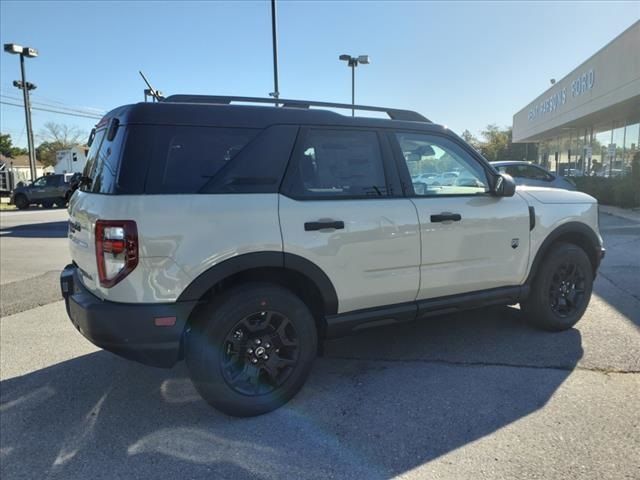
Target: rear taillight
116	250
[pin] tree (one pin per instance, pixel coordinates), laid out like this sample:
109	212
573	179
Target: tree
468	137
46	153
57	137
497	144
7	149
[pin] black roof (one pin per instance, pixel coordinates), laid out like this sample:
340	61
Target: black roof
194	110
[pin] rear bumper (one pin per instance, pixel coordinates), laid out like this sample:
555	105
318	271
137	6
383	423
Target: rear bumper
128	330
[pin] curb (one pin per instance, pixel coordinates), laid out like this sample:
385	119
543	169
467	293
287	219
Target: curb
626	213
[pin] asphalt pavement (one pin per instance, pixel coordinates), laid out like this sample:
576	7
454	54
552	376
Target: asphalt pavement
477	395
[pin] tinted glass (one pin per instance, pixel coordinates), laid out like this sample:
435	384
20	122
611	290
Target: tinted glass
259	167
40	182
439	166
338	163
185	159
102	163
526	171
53	180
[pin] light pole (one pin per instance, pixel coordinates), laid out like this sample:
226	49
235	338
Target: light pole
353	62
25	87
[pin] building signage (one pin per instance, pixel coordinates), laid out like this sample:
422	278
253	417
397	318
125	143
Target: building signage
581	84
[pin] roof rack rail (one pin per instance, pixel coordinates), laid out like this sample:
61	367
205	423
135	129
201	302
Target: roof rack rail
394	113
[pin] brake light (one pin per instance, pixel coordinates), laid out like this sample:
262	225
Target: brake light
116	250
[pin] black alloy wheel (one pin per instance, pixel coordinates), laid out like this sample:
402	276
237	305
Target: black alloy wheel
567	289
259	353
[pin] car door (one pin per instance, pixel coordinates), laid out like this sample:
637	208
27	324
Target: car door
471	240
341	207
53	188
37	190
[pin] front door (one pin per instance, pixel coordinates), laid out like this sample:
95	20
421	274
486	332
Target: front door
341	208
470	239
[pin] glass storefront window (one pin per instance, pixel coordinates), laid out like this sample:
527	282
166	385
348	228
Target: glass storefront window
599	159
631	141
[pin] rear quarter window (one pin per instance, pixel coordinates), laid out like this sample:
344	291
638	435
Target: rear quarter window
185	159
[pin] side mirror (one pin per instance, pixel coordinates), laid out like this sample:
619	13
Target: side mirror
504	186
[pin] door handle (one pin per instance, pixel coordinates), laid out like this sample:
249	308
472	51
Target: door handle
320	225
446	217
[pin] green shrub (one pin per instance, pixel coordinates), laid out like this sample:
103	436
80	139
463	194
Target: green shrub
619	191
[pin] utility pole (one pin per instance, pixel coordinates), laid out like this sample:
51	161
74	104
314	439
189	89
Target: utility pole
274	38
27	113
25	87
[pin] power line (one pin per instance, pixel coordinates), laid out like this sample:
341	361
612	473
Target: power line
48	105
87	115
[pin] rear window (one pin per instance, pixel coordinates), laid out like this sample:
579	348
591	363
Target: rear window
103	161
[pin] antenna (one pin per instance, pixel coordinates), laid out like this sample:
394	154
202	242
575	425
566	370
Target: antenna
156	94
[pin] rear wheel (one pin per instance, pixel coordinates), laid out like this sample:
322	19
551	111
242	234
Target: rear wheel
561	289
47	204
61	202
21	202
251	349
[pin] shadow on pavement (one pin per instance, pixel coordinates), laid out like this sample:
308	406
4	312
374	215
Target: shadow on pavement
37	230
98	416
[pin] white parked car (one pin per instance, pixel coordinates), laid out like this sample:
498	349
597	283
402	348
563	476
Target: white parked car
239	238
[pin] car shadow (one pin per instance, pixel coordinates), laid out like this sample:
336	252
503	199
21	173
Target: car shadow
37	230
376	405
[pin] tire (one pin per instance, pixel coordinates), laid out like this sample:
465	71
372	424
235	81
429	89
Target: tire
47	204
60	203
234	323
551	305
21	201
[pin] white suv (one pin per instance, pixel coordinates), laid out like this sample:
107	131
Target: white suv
238	237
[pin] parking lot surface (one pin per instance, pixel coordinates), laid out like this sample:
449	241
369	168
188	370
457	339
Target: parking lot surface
474	395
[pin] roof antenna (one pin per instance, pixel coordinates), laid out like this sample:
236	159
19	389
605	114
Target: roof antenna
151	92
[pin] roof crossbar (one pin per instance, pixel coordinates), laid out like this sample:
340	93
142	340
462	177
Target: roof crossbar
394	113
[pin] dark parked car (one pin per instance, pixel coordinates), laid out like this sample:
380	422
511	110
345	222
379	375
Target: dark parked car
525	173
46	191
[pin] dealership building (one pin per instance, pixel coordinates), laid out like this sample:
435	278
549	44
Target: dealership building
589	121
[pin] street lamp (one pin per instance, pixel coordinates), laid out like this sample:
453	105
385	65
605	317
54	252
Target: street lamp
25	86
353	62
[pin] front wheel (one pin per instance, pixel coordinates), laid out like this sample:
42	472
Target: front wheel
21	201
561	289
250	350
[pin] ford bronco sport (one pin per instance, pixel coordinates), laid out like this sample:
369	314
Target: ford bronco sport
240	236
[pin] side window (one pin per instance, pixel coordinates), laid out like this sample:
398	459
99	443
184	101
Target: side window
439	166
337	163
52	181
536	173
40	182
185	159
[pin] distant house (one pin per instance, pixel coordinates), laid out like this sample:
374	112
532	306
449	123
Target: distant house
71	160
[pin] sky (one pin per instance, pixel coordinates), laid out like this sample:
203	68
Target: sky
461	64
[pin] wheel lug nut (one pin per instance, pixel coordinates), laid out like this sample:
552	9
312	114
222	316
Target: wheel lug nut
277	350
266	357
258	342
254	360
267	345
250	351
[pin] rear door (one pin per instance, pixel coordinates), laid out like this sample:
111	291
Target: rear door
341	208
470	239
